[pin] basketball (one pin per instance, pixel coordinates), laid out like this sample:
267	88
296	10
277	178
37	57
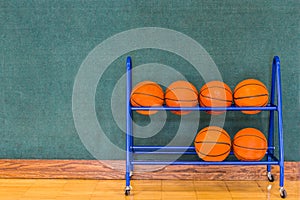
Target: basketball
212	144
215	94
250	92
147	93
181	94
249	144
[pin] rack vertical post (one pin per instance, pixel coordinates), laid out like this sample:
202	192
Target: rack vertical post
276	64
271	123
129	136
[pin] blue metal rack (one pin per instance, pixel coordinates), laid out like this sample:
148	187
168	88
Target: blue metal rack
271	158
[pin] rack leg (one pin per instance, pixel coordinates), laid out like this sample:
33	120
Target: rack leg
270	145
129	137
128	167
283	192
271	121
128	187
131	156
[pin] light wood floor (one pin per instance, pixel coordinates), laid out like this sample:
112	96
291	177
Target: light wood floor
64	189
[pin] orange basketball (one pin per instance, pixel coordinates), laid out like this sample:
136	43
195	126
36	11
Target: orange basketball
147	93
215	94
251	92
249	144
181	94
212	144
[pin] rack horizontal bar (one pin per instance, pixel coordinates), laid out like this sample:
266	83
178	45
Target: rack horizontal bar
156	148
167	148
144	162
167	152
200	108
173	152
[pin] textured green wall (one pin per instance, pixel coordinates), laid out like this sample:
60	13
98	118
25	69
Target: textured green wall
43	44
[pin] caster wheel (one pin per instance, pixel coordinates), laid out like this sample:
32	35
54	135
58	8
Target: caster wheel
127	192
283	193
270	177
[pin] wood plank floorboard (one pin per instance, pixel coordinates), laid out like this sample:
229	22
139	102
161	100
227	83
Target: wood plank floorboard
64	189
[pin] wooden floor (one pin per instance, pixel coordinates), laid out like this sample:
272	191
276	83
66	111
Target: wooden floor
64	189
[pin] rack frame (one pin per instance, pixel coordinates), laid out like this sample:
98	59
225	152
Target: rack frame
131	149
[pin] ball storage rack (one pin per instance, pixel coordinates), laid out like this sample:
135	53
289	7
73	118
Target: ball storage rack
270	160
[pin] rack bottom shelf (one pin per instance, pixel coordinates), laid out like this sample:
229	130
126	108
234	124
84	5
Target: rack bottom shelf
145	162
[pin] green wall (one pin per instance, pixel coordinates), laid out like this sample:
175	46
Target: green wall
44	43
